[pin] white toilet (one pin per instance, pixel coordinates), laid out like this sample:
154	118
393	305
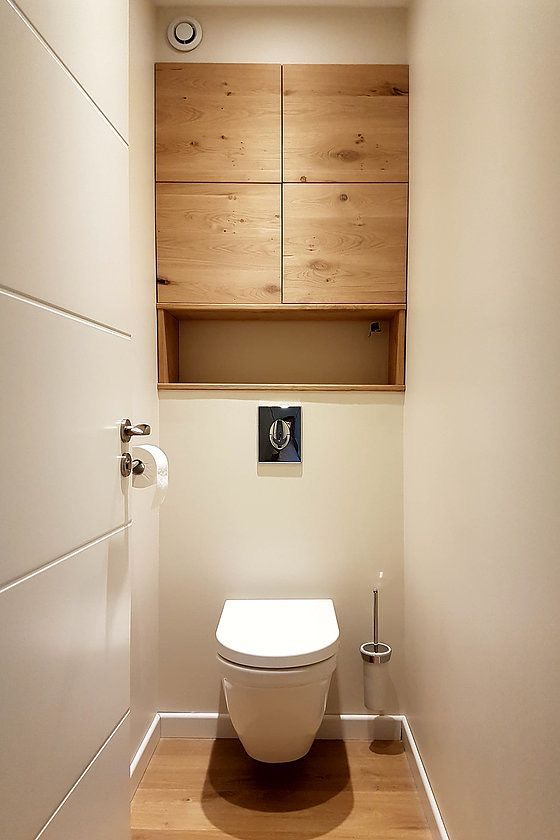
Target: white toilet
276	660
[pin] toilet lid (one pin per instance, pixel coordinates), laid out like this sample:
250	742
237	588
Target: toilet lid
277	633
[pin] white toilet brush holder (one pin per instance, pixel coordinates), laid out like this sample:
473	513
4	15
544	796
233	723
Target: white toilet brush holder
375	657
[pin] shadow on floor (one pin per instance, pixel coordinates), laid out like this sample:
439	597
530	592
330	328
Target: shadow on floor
243	797
386	747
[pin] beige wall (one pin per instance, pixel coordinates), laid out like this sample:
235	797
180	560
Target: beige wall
482	418
227	531
144	531
284	35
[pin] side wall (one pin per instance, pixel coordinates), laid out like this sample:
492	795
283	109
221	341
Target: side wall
482	417
230	531
144	531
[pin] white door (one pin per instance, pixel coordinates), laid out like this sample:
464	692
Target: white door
64	365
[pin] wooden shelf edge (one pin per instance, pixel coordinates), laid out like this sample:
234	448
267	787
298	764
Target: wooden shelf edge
279	307
287	311
235	386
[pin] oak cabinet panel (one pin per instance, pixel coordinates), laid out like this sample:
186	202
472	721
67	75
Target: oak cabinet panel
345	243
345	123
218	122
218	243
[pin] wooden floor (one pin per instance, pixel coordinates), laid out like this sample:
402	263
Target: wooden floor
200	790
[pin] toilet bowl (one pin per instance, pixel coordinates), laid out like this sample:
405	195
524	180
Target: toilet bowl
276	659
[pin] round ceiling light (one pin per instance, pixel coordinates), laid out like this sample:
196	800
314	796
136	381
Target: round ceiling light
184	33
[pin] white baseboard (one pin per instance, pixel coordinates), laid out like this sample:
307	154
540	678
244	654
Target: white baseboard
143	754
431	809
361	727
337	727
196	725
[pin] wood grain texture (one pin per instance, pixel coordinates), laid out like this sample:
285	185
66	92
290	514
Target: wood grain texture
218	122
218	243
345	122
345	243
397	335
282	311
168	347
287	386
198	790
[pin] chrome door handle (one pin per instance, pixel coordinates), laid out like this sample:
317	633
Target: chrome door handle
128	430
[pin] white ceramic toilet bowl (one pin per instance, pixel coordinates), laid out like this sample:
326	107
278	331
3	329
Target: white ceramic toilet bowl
277	713
276	659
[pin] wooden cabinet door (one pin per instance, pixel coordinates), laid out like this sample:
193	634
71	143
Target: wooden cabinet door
218	243
345	123
345	243
218	122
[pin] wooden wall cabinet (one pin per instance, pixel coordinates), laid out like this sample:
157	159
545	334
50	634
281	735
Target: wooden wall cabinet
218	243
345	122
281	195
218	122
345	243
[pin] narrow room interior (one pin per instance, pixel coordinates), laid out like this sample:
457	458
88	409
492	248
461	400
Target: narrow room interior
280	368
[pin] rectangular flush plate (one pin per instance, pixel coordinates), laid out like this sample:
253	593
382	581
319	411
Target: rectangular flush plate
279	434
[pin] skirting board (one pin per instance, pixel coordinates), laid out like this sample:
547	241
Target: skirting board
336	727
431	809
345	727
143	754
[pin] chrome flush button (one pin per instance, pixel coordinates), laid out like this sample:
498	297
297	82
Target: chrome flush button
279	434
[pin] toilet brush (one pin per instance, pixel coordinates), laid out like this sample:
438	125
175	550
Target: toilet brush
375	658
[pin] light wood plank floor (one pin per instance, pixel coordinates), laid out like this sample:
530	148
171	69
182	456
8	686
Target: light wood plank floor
201	790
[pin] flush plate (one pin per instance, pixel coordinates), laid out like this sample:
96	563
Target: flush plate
279	434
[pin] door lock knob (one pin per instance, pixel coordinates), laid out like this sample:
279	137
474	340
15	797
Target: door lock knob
131	466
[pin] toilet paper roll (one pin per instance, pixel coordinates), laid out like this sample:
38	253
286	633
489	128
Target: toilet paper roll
156	470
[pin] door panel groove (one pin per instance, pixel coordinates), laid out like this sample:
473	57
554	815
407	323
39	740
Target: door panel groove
65	313
52	563
23	17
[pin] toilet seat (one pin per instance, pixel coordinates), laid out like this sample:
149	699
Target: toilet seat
267	678
277	634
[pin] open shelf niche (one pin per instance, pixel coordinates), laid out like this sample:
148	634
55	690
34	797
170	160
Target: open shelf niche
351	347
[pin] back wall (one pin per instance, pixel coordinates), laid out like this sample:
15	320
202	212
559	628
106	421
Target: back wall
230	531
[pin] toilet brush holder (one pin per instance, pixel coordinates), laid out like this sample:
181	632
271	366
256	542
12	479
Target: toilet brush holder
375	658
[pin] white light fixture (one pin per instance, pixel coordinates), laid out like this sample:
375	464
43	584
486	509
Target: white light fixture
184	33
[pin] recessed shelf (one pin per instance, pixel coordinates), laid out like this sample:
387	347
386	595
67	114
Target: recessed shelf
352	347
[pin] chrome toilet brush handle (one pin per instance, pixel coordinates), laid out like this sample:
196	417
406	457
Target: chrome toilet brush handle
375	652
375	619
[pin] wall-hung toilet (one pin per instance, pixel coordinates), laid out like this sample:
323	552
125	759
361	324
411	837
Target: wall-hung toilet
276	659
